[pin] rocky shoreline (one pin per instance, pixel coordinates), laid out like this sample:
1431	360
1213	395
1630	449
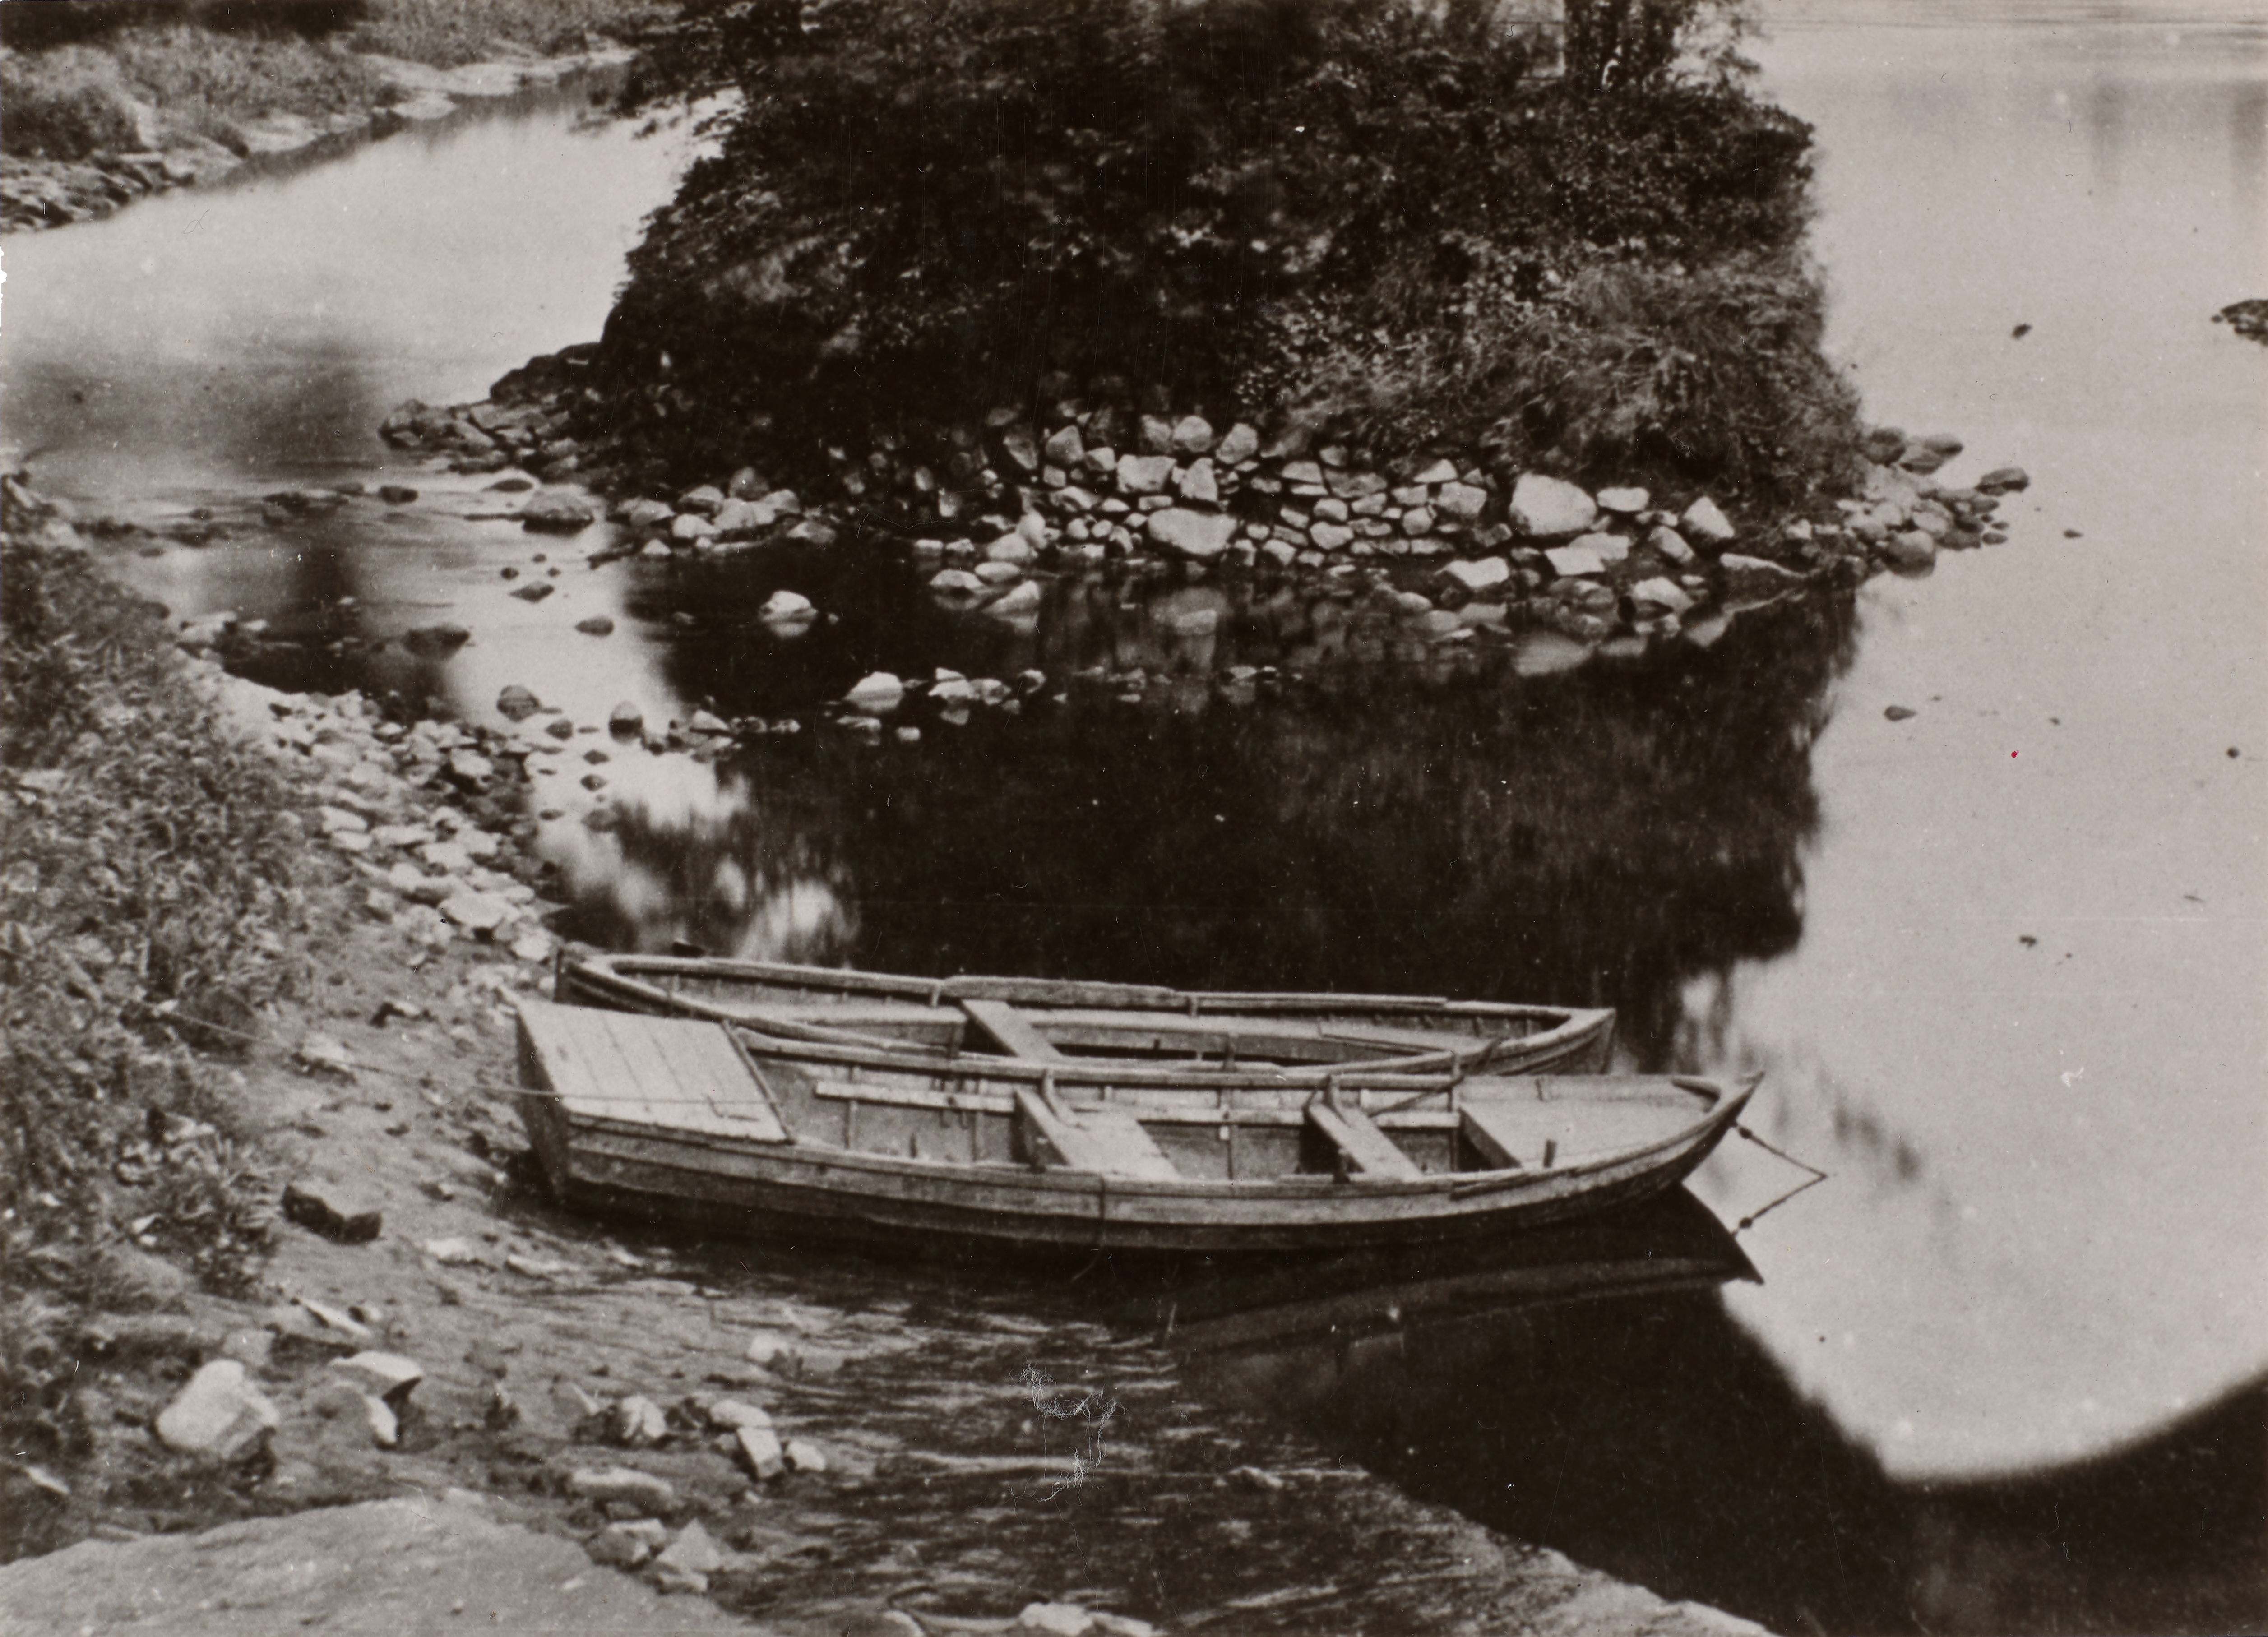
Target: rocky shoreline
421	1326
1455	549
38	193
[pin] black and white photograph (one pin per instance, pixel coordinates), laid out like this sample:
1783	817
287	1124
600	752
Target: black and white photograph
1134	818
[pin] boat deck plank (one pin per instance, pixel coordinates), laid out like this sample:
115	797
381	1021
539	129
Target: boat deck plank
671	1071
1369	1150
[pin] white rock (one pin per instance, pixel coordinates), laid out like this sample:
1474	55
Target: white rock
760	1450
1239	446
1750	576
1198	485
1022	599
1667	544
1611	549
220	1415
1053	1620
637	1422
1571	560
1477	576
1144	474
806	1456
1012	547
1628	502
475	912
624	1483
1661	594
784	605
1193	434
732	1414
694	1551
386	1375
1550	508
877	693
1705	525
1198	535
1461	502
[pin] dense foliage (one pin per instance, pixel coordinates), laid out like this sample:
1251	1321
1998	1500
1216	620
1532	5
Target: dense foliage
144	896
1253	204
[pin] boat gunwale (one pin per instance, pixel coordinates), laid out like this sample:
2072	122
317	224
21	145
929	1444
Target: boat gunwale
606	973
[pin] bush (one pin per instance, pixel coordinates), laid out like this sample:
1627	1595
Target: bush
927	208
449	32
145	871
65	105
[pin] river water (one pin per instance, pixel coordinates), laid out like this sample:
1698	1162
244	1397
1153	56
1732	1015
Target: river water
2003	961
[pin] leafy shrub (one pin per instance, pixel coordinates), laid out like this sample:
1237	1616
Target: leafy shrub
144	864
449	32
925	209
65	105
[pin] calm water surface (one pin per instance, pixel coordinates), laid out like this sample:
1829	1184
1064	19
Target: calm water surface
2003	961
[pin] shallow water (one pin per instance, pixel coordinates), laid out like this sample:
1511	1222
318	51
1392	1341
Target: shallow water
2003	961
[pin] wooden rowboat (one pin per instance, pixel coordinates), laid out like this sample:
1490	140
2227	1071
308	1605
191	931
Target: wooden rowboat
1312	1034
689	1116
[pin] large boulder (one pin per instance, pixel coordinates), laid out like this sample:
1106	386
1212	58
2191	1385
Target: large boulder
1550	508
1200	537
219	1416
557	511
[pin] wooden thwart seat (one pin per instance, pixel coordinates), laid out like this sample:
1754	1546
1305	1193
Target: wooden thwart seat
1010	1028
1110	1141
1370	1151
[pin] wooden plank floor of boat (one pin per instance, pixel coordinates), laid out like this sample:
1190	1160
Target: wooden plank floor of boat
671	1071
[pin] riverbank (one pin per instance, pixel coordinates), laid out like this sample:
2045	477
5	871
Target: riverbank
107	105
419	1321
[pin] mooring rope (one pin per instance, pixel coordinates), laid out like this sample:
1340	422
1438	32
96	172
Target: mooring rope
1816	1178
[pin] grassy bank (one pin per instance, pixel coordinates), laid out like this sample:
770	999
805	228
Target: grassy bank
146	893
76	80
1374	214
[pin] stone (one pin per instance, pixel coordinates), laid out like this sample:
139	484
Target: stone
1065	447
615	1547
709	722
1482	575
534	591
1899	712
1942	443
1440	472
517	703
1705	524
1667	544
333	1210
2003	480
706	501
1550	508
626	720
625	1484
1660	595
475	912
732	1414
760	1450
1748	576
1021	447
596	625
131	1280
1625	502
784	605
1012	547
737	519
805	1457
433	641
1051	1619
1417	522
689	528
1460	502
1144	474
557	512
1192	435
1241	444
999	573
389	1377
1611	549
1568	561
642	515
219	1416
1908	552
1331	536
877	693
694	1551
1201	537
1198	484
637	1422
956	585
1022	599
396	494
